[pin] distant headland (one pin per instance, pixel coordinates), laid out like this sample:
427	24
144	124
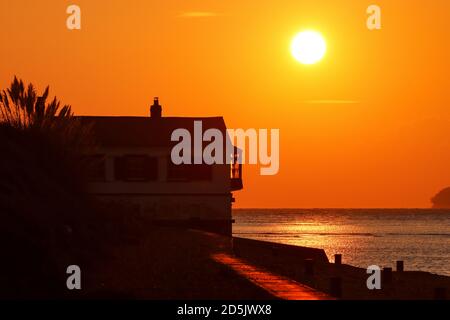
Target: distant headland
442	199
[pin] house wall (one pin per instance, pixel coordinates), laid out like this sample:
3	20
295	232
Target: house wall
206	203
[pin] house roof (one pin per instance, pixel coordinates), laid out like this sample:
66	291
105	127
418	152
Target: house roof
145	131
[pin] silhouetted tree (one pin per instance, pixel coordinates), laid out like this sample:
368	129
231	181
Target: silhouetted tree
21	108
45	221
57	138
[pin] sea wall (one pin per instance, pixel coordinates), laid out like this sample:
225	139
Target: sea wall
288	254
339	280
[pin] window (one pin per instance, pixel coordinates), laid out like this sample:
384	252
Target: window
95	167
136	168
188	172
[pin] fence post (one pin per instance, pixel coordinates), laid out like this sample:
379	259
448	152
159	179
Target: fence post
400	266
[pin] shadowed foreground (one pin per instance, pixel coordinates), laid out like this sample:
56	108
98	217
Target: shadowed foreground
177	264
169	264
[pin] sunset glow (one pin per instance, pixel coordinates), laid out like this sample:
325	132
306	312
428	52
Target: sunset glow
224	156
366	126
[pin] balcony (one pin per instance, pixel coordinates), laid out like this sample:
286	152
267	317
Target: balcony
236	171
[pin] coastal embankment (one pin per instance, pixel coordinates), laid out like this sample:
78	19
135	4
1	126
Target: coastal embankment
172	263
311	267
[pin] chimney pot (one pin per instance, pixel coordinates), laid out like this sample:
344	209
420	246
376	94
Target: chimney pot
156	109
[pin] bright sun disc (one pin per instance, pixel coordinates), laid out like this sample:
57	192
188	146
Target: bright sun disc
308	47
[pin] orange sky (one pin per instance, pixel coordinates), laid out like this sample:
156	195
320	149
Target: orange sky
390	148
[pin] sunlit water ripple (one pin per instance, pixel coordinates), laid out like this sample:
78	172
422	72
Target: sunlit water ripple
420	237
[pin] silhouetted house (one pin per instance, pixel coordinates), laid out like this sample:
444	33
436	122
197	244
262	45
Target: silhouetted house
133	165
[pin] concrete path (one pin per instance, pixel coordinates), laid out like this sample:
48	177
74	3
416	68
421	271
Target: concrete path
279	286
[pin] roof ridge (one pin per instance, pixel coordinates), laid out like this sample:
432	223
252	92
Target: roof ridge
146	117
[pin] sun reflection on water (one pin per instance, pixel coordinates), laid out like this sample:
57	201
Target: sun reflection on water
363	237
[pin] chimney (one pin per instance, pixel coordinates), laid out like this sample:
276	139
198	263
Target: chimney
156	109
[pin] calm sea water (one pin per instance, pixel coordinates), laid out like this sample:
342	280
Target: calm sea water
363	236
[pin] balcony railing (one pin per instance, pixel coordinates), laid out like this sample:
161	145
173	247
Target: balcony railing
236	170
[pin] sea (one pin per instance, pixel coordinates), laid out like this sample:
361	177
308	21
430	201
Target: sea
364	237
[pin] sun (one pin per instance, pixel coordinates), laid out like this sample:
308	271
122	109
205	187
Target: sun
308	47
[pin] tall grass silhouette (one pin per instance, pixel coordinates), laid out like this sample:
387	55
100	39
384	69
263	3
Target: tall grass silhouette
48	221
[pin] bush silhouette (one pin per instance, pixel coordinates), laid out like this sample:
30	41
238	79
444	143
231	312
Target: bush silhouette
48	221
